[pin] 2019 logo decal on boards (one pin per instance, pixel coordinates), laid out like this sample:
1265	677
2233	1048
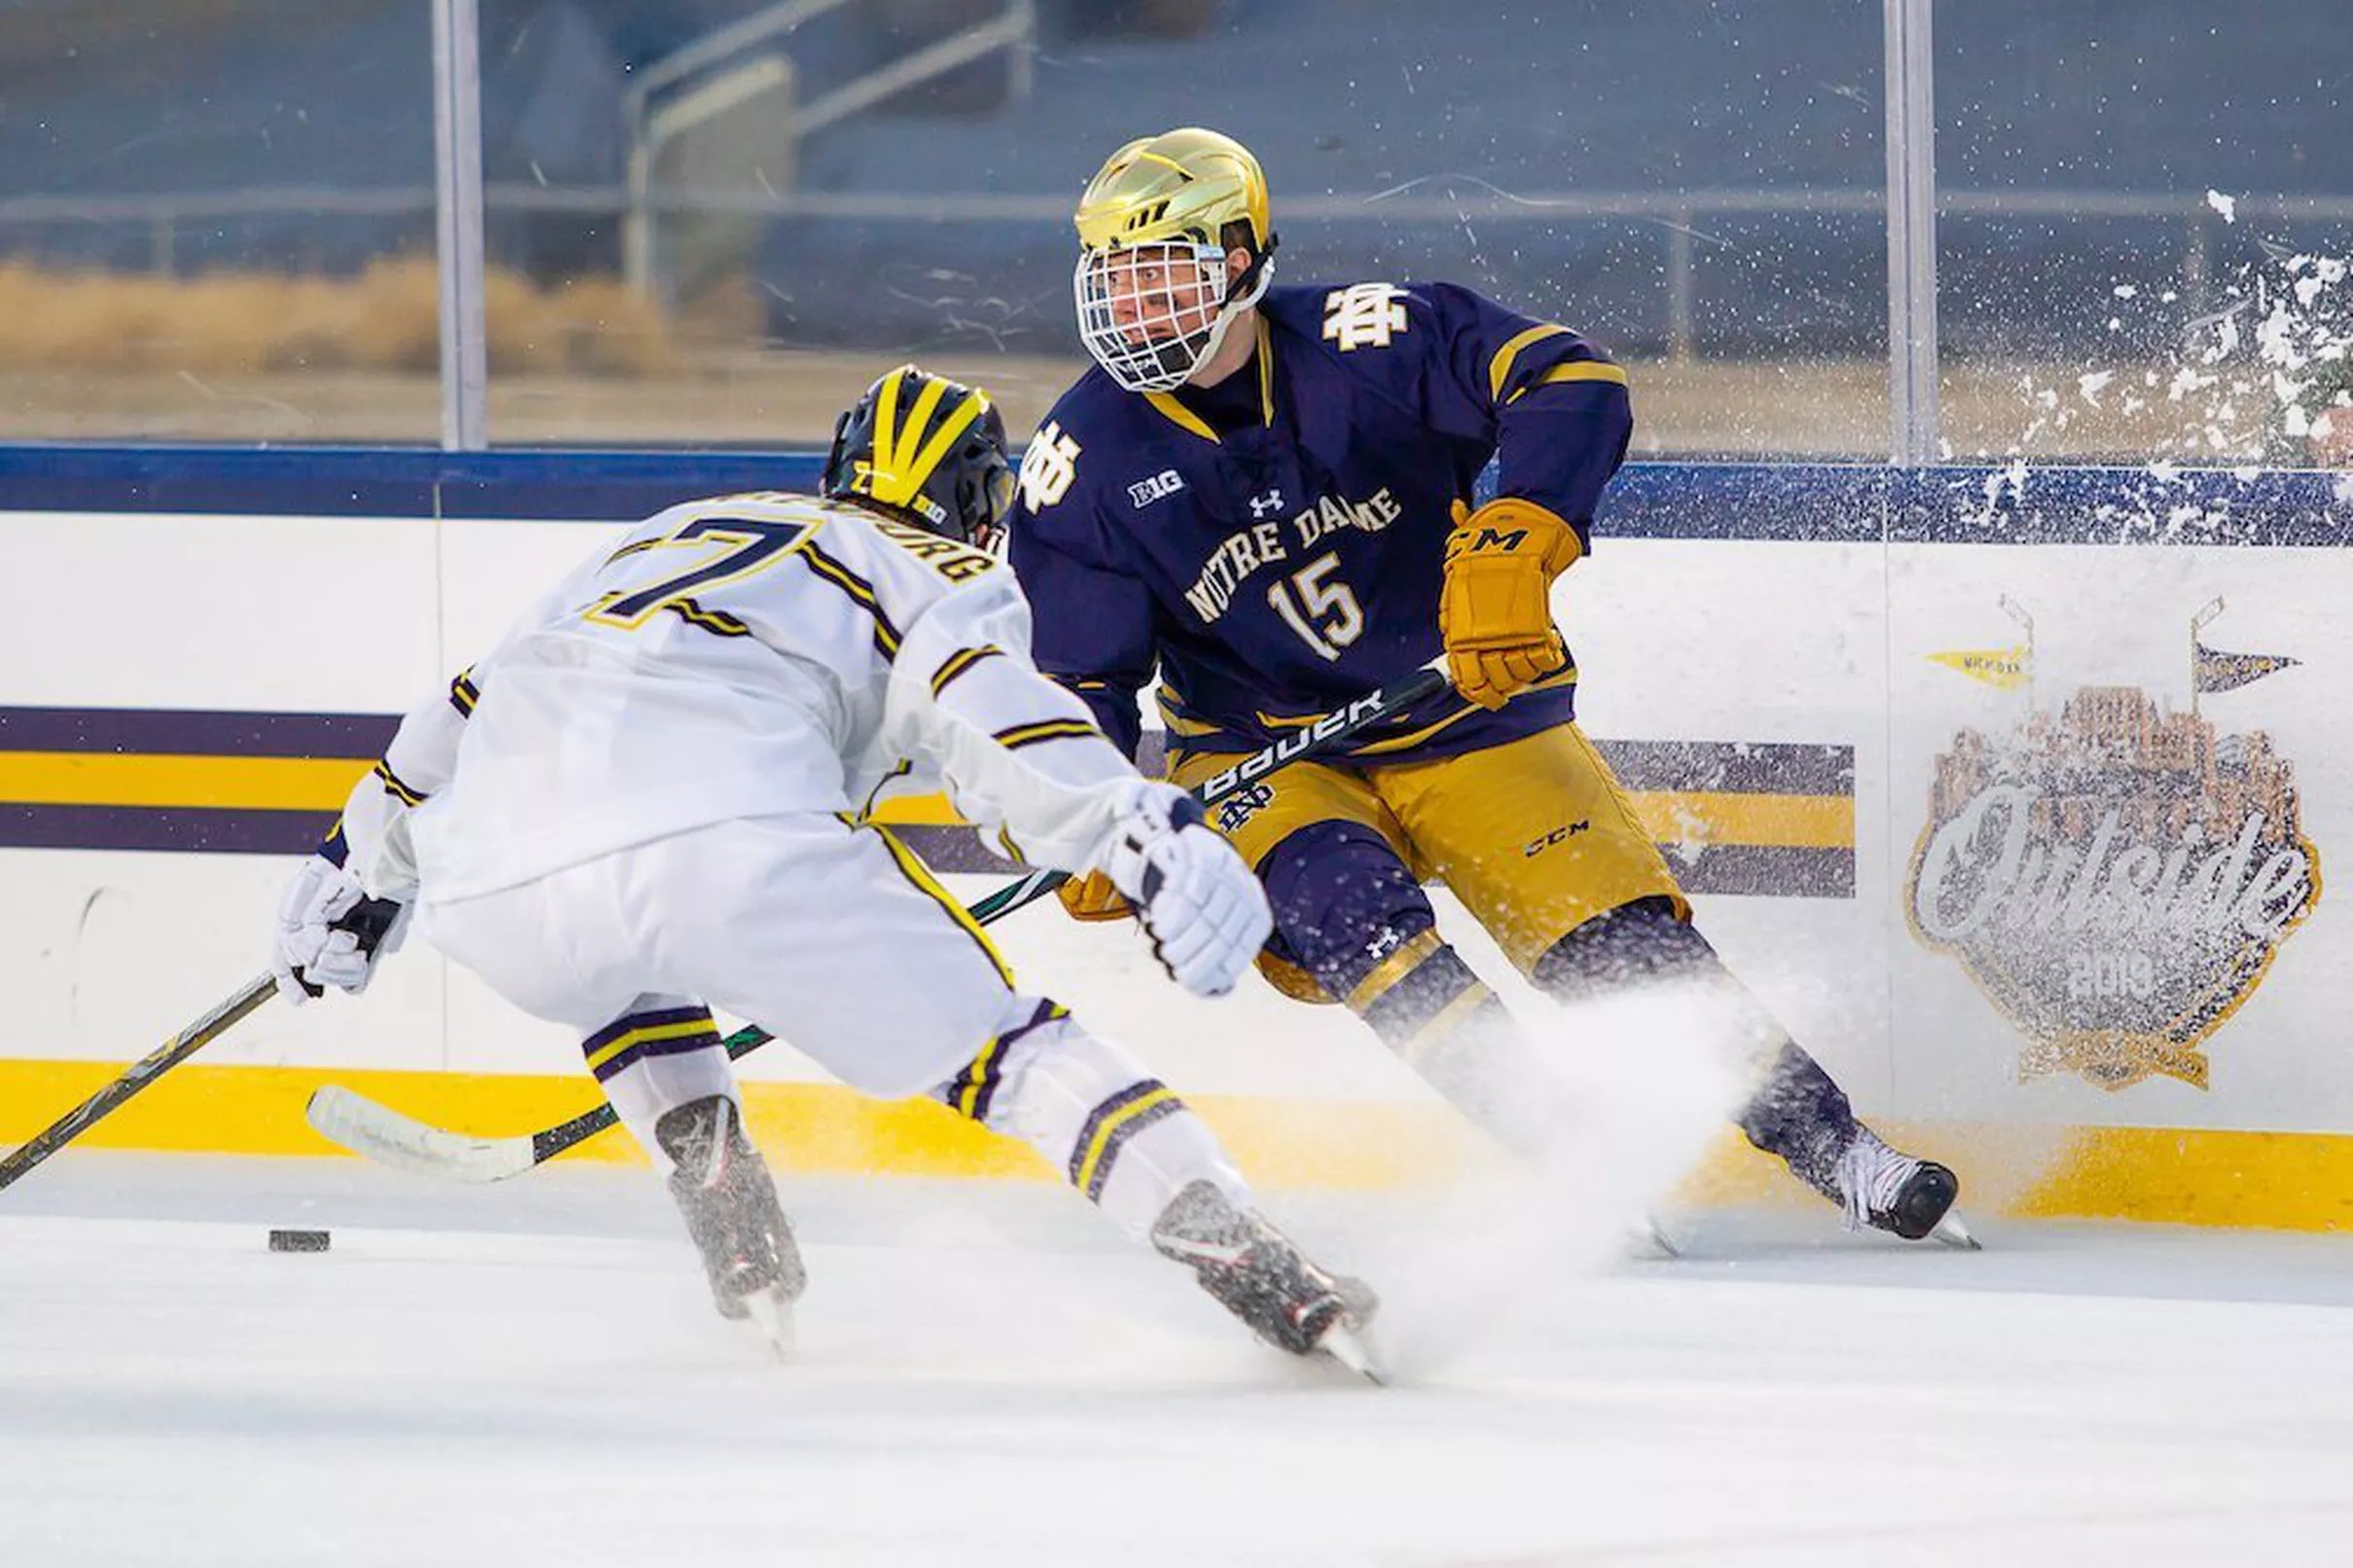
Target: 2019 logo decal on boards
2117	879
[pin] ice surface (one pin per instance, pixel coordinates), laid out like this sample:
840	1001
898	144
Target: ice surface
988	1375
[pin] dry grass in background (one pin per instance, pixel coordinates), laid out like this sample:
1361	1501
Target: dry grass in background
387	318
262	358
779	397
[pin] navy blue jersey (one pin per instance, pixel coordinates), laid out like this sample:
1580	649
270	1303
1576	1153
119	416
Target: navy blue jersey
1274	546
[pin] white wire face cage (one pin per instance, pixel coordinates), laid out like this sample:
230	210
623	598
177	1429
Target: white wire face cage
1150	313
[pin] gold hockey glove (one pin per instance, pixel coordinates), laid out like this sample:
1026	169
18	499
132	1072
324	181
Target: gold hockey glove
1494	611
1092	897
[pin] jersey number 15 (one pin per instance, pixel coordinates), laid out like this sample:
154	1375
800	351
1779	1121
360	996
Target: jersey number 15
1320	608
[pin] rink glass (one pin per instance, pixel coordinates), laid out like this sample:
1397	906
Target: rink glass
711	221
2130	195
1689	183
718	243
217	222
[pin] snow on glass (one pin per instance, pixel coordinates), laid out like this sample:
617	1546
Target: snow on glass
2264	378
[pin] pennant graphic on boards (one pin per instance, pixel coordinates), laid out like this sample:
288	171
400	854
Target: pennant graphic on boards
2217	670
2002	668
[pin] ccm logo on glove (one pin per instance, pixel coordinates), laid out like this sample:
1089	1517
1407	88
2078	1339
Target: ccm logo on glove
1494	609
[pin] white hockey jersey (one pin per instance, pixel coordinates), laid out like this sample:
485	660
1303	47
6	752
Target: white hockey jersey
739	656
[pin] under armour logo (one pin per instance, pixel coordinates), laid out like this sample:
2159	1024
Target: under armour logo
1267	504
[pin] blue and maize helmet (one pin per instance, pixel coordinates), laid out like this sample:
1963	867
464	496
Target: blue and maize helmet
927	449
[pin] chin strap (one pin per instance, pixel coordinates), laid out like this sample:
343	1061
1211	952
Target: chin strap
1248	290
1253	281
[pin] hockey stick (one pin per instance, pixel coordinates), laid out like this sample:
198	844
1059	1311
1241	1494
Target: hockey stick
1382	702
137	1076
376	1132
352	1120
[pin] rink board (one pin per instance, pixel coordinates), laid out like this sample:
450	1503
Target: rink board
1799	670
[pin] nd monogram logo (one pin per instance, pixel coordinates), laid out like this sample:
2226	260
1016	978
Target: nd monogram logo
1363	315
1048	467
1242	805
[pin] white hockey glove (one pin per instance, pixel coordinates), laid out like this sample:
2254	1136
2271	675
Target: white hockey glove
331	933
1204	911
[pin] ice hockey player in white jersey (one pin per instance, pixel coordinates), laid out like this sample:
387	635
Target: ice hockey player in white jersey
648	800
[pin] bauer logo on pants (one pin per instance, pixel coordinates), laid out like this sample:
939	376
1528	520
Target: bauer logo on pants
2116	879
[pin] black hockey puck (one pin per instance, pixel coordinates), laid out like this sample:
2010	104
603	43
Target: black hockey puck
297	1240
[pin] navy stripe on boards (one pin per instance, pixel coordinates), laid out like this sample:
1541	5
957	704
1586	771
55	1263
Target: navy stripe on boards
1853	503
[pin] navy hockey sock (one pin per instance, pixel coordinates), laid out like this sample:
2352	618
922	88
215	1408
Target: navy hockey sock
1796	1111
1800	1115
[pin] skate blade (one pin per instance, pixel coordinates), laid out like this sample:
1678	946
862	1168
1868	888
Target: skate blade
1954	1232
1647	1235
1347	1346
775	1319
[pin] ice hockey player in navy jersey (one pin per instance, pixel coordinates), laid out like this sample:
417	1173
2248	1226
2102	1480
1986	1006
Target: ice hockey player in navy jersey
1261	496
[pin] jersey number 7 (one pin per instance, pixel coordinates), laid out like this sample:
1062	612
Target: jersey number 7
746	545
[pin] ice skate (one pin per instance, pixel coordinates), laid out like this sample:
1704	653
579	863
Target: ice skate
1898	1192
1646	1238
724	1189
1260	1275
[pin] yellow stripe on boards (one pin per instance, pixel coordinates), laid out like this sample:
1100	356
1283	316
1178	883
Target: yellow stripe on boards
109	779
1707	817
2184	1176
808	1129
2285	1181
2240	1181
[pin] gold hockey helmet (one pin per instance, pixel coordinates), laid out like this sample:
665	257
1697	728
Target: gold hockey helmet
1155	295
927	449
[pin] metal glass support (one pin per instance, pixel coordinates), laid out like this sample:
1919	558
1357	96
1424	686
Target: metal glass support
1912	349
457	149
